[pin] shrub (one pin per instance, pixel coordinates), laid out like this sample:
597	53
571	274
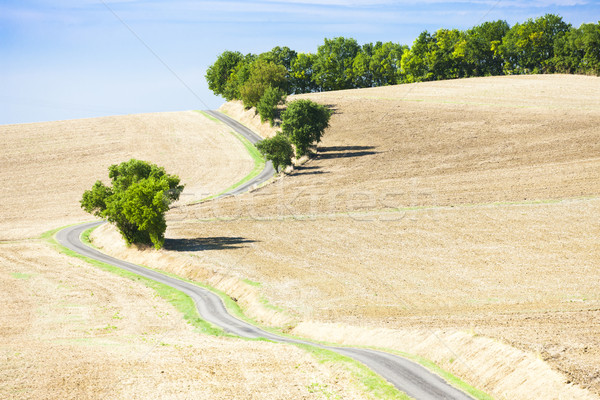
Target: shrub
304	122
278	150
267	106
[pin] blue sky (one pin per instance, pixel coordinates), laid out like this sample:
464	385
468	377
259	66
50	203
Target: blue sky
65	59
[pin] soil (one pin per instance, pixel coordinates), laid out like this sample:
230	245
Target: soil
47	166
467	205
69	330
72	331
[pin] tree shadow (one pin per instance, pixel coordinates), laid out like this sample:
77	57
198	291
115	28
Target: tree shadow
332	108
210	243
310	170
329	152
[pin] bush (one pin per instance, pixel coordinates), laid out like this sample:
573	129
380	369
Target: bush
277	149
304	122
267	106
136	202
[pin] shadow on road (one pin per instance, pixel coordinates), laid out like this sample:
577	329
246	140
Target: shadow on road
210	243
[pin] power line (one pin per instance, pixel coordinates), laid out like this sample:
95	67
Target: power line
155	54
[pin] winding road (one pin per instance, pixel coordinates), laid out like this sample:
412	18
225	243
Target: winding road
409	377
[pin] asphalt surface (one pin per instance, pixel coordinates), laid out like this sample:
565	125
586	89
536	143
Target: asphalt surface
409	377
266	173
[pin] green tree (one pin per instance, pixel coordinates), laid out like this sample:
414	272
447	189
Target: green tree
481	45
529	47
304	122
267	105
302	74
333	64
239	76
263	74
280	56
415	62
136	202
362	74
385	63
217	75
578	50
278	150
446	55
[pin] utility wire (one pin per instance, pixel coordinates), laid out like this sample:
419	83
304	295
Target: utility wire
155	54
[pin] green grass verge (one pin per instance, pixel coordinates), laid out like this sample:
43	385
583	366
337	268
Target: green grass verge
447	376
85	237
259	163
370	381
232	306
208	116
182	302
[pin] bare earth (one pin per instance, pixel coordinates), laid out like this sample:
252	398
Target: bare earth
45	167
459	209
71	331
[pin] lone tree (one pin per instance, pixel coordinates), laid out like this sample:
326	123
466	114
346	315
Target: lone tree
136	202
304	122
277	149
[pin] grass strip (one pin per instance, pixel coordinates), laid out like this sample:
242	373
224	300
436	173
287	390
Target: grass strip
207	115
372	382
447	376
182	302
259	163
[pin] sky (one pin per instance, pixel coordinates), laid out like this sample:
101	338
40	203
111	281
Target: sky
68	59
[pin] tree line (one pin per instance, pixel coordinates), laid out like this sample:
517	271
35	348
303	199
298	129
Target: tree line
542	45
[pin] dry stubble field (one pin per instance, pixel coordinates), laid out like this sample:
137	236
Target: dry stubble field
71	331
460	209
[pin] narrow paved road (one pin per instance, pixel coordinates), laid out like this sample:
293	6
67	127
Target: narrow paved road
407	376
266	173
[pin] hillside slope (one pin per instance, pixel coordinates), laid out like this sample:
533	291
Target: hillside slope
465	207
70	330
45	167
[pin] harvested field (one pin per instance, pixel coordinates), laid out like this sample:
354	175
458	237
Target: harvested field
45	167
72	331
467	206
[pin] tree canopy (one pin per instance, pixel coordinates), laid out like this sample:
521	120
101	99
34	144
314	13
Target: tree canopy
262	75
267	105
540	45
304	122
136	202
278	150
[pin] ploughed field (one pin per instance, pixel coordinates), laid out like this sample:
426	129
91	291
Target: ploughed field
466	205
69	330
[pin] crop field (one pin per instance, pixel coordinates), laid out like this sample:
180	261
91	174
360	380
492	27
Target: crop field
69	330
459	208
455	220
46	167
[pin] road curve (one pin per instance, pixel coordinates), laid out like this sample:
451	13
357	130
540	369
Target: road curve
409	377
266	173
